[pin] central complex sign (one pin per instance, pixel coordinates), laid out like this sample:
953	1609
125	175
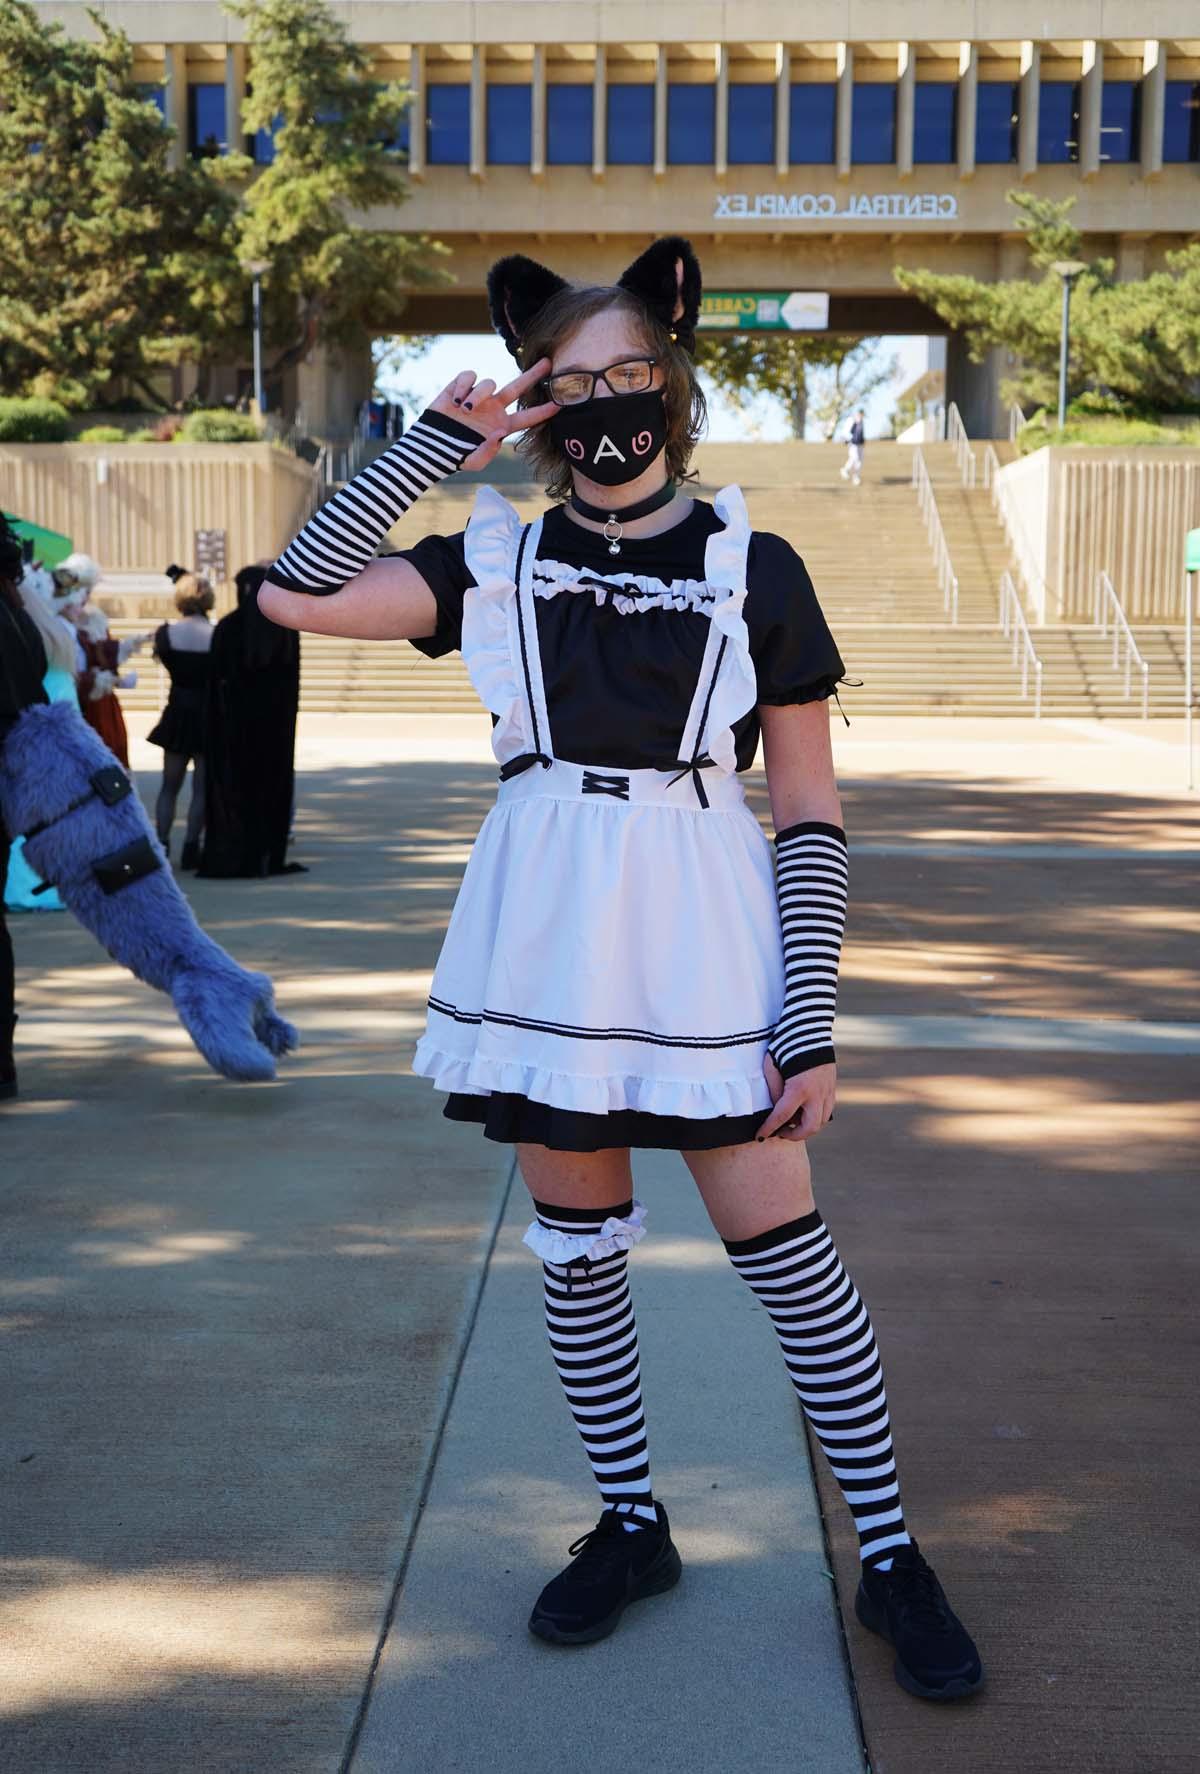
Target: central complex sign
889	206
741	310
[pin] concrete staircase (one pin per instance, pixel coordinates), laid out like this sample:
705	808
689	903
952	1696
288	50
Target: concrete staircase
1078	678
869	558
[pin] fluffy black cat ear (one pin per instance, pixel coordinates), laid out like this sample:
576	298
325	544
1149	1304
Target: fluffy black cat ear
655	279
518	288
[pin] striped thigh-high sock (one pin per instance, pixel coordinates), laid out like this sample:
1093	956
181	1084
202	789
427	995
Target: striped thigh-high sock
593	1338
829	1347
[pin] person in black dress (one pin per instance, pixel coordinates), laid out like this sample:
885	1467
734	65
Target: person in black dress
183	649
22	668
626	964
253	693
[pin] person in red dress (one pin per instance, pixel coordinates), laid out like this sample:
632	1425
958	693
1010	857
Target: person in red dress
101	656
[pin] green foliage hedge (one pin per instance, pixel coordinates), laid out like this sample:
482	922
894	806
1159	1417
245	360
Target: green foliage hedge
33	421
1101	431
103	434
217	425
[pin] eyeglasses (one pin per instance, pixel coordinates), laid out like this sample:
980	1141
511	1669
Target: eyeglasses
570	387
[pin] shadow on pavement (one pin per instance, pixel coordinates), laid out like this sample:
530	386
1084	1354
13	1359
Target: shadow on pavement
229	1313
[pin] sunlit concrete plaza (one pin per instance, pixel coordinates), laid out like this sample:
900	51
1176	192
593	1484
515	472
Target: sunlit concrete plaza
285	1456
277	1498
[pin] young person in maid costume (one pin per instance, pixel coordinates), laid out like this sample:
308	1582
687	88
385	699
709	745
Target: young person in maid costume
626	965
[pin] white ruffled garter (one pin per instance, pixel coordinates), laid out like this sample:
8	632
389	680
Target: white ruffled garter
567	1247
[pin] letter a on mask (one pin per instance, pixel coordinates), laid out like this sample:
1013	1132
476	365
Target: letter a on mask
606	447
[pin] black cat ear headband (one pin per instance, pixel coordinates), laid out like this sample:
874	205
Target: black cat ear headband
519	288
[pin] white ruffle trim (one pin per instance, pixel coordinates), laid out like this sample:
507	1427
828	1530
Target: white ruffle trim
628	593
694	1099
736	689
492	537
491	650
566	1247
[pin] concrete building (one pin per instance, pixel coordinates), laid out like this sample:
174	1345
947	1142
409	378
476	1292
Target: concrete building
886	136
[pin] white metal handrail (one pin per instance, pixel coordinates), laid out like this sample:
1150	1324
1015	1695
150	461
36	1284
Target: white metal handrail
1106	608
1016	419
321	478
956	434
947	577
1018	543
1014	625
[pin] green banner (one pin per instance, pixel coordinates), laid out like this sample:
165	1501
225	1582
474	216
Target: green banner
764	311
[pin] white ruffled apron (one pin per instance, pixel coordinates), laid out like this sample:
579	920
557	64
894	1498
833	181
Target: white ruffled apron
615	943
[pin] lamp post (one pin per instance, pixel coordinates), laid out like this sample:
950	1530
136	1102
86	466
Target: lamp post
257	269
1068	270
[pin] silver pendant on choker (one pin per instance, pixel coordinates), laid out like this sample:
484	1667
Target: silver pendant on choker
613	536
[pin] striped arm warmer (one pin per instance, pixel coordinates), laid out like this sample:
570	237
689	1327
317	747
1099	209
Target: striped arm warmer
341	538
812	880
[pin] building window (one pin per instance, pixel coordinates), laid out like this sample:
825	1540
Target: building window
630	125
752	124
1058	122
448	125
509	125
264	142
1120	116
935	117
206	119
691	124
568	125
1181	124
995	122
873	124
812	110
153	93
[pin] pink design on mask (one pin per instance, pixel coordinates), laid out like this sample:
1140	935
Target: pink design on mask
575	448
642	442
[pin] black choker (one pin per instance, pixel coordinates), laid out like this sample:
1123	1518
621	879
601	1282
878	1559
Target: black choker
614	520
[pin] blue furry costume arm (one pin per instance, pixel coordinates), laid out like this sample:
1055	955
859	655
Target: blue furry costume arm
86	831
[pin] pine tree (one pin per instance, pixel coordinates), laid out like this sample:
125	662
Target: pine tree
333	279
1137	341
111	263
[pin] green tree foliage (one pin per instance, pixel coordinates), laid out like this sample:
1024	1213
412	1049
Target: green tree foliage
333	279
819	375
1138	340
33	420
111	263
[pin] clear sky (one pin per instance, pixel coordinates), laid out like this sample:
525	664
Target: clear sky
484	353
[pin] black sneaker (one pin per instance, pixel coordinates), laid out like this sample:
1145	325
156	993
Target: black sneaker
610	1568
935	1654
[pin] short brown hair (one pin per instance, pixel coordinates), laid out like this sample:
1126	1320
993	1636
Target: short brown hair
683	396
193	596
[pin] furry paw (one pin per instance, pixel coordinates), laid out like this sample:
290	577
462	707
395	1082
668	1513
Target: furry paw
276	1035
225	1010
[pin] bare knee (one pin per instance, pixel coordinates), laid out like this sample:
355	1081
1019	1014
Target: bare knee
753	1188
577	1179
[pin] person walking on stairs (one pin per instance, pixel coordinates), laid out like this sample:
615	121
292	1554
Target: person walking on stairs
852	467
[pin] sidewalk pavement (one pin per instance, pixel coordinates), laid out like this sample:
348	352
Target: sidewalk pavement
741	1665
234	1316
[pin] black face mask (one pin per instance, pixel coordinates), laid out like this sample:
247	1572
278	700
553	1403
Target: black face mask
613	438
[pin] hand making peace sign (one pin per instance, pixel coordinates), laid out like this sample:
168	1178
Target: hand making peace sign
484	408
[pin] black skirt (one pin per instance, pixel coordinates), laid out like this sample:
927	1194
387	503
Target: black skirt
181	726
514	1119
